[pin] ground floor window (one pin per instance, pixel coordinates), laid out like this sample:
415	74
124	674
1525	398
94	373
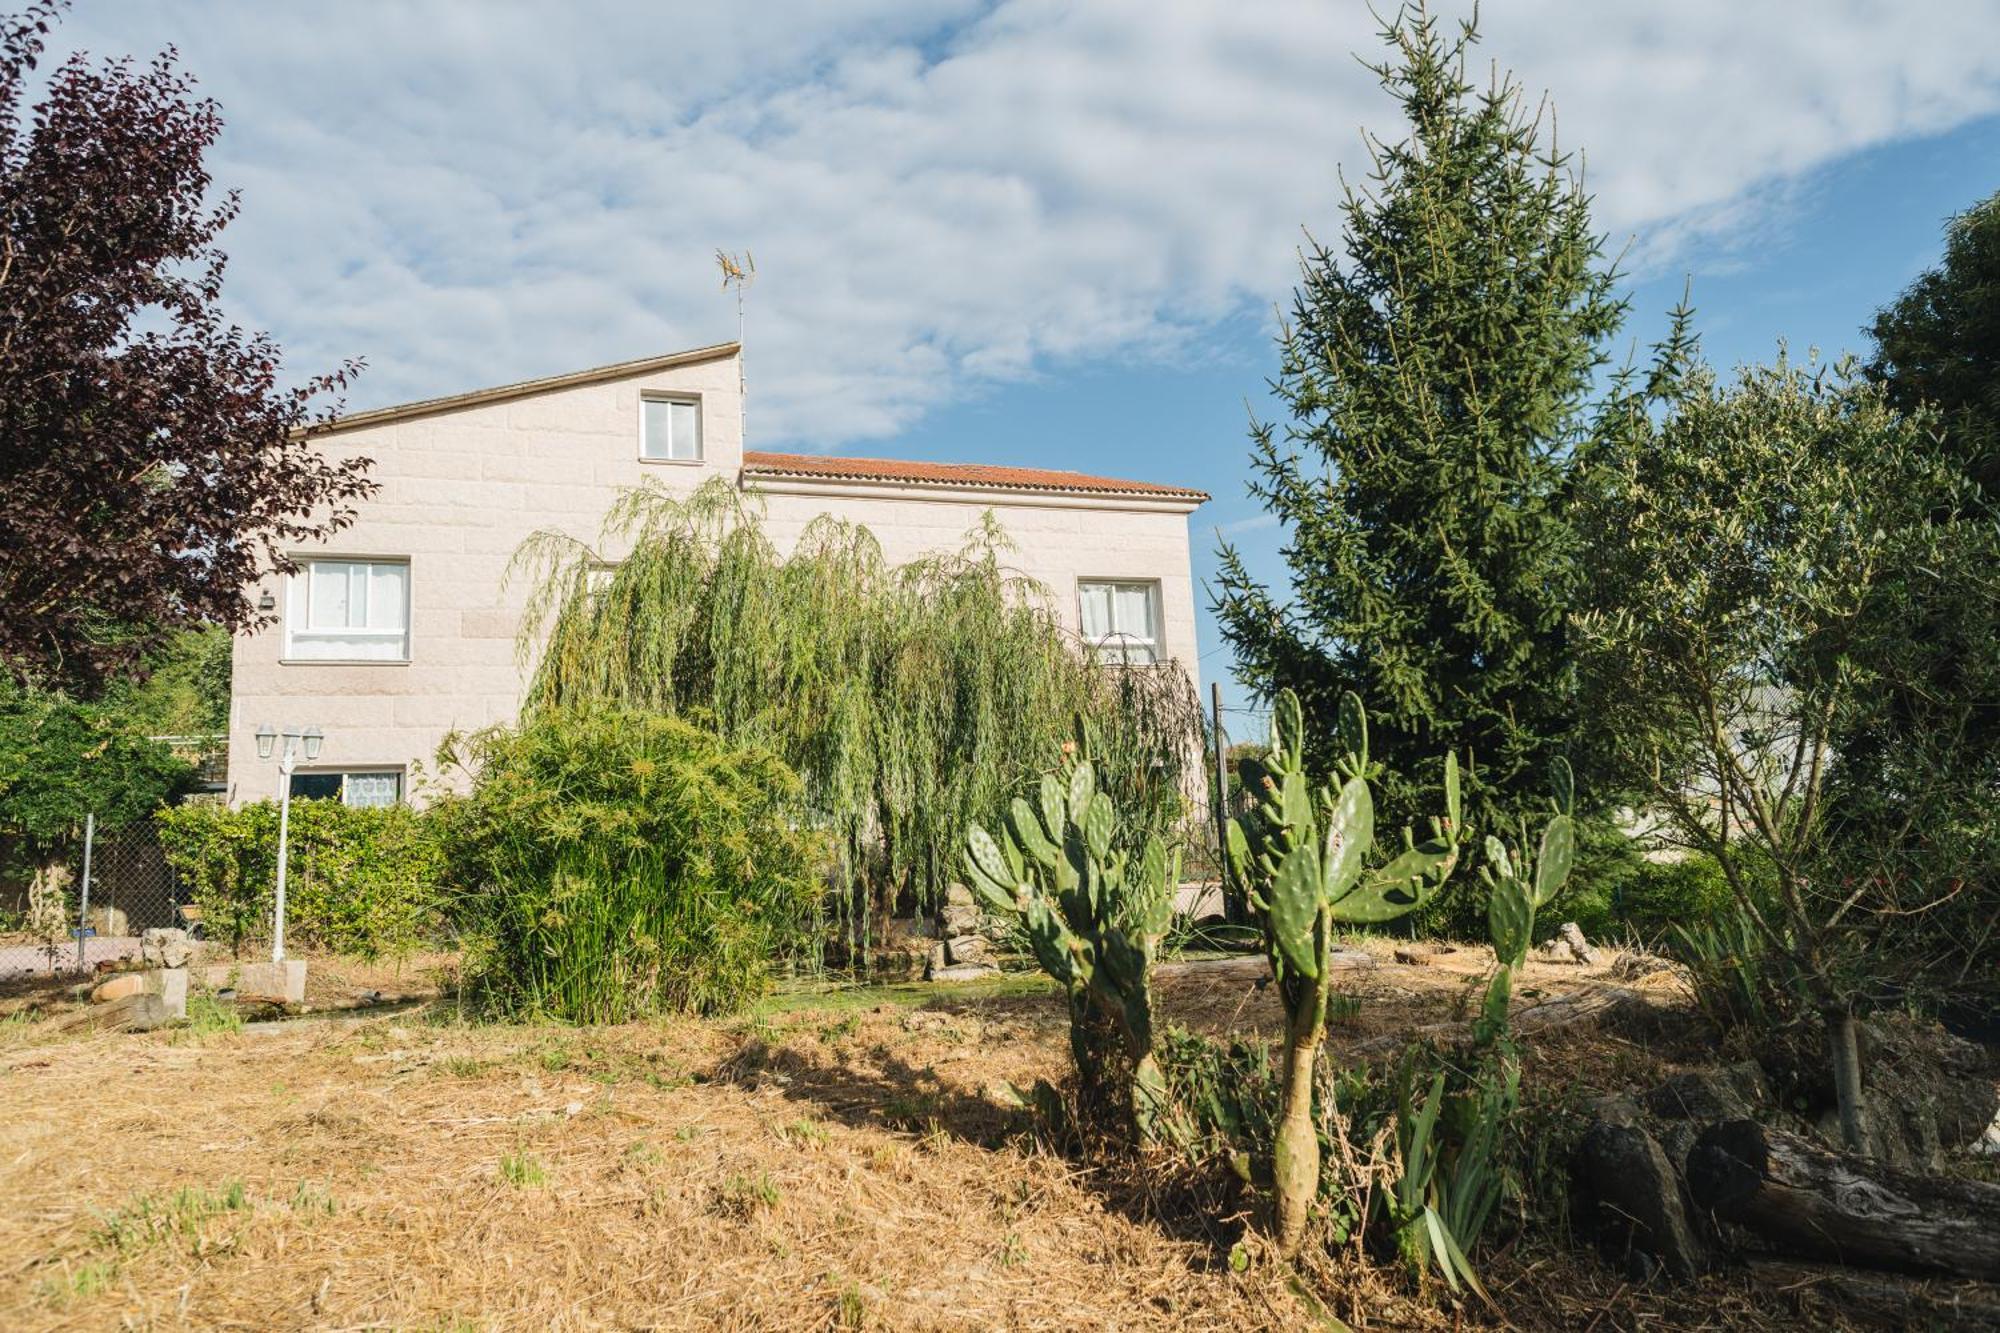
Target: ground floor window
356	788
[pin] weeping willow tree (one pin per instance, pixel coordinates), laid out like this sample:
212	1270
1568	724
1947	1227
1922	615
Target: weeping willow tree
912	699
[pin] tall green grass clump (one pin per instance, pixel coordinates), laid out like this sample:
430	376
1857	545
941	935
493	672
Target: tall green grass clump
616	864
912	700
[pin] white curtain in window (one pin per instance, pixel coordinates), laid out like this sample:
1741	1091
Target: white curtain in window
1133	610
1096	599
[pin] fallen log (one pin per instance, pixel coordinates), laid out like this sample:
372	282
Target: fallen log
1888	1301
1257	967
1599	1004
1807	1200
132	1013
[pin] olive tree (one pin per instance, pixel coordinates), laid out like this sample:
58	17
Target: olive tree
1768	557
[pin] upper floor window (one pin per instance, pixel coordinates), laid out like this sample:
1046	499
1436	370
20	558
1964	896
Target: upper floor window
670	430
348	611
1121	619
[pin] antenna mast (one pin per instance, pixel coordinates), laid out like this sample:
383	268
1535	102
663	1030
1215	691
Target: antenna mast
739	274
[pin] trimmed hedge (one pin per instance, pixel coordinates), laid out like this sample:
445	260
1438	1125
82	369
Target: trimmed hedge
362	882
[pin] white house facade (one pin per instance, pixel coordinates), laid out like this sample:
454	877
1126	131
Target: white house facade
402	627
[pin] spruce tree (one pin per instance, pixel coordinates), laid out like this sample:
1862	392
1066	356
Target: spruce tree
1440	374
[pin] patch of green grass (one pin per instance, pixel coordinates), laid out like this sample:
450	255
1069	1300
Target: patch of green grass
840	997
311	1200
181	1215
803	1130
688	1133
744	1195
522	1171
463	1066
851	1311
642	1153
208	1016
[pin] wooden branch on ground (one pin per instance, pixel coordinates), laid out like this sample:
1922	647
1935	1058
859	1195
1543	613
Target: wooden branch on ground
1884	1300
1257	967
133	1013
1808	1200
1597	1004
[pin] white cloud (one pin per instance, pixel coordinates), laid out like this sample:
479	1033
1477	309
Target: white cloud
940	195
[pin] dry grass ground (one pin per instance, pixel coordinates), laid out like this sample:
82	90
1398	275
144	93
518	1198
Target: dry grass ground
839	1161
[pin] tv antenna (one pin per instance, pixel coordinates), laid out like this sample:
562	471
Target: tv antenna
739	274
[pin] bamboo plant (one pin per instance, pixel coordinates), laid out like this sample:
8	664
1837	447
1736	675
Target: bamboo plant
1302	857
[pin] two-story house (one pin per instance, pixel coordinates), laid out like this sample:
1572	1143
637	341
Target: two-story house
401	628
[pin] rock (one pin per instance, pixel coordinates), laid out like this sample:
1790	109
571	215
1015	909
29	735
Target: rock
272	983
968	949
164	946
120	986
171	985
1930	1094
965	972
1557	950
939	959
957	895
1634	1202
1632	966
1578	945
899	948
958	920
1988	1144
109	922
1734	1092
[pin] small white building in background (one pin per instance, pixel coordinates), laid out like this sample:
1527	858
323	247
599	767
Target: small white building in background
400	629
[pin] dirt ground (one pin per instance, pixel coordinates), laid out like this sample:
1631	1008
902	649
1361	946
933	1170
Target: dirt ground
847	1159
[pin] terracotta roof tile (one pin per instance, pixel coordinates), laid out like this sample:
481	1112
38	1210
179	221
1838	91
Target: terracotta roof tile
833	468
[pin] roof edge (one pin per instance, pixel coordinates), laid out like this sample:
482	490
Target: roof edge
759	463
382	416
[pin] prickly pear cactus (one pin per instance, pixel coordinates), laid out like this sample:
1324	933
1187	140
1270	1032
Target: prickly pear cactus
1301	857
1517	891
1094	917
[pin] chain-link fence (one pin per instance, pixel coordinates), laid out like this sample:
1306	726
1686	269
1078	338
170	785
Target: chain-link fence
90	904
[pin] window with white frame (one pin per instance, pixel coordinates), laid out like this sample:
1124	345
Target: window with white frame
670	430
1121	619
341	610
363	789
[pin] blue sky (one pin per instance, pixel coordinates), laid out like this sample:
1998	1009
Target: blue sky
1026	231
1842	241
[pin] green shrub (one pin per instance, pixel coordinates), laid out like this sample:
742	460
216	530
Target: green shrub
1615	891
616	864
364	882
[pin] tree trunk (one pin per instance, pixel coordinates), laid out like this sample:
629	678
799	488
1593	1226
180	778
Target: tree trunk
1843	1037
1807	1200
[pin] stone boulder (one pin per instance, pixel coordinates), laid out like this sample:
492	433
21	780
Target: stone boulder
1633	1202
165	946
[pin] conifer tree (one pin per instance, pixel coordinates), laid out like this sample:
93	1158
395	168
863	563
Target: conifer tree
1440	380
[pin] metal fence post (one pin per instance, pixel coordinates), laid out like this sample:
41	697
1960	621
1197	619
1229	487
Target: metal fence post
83	908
